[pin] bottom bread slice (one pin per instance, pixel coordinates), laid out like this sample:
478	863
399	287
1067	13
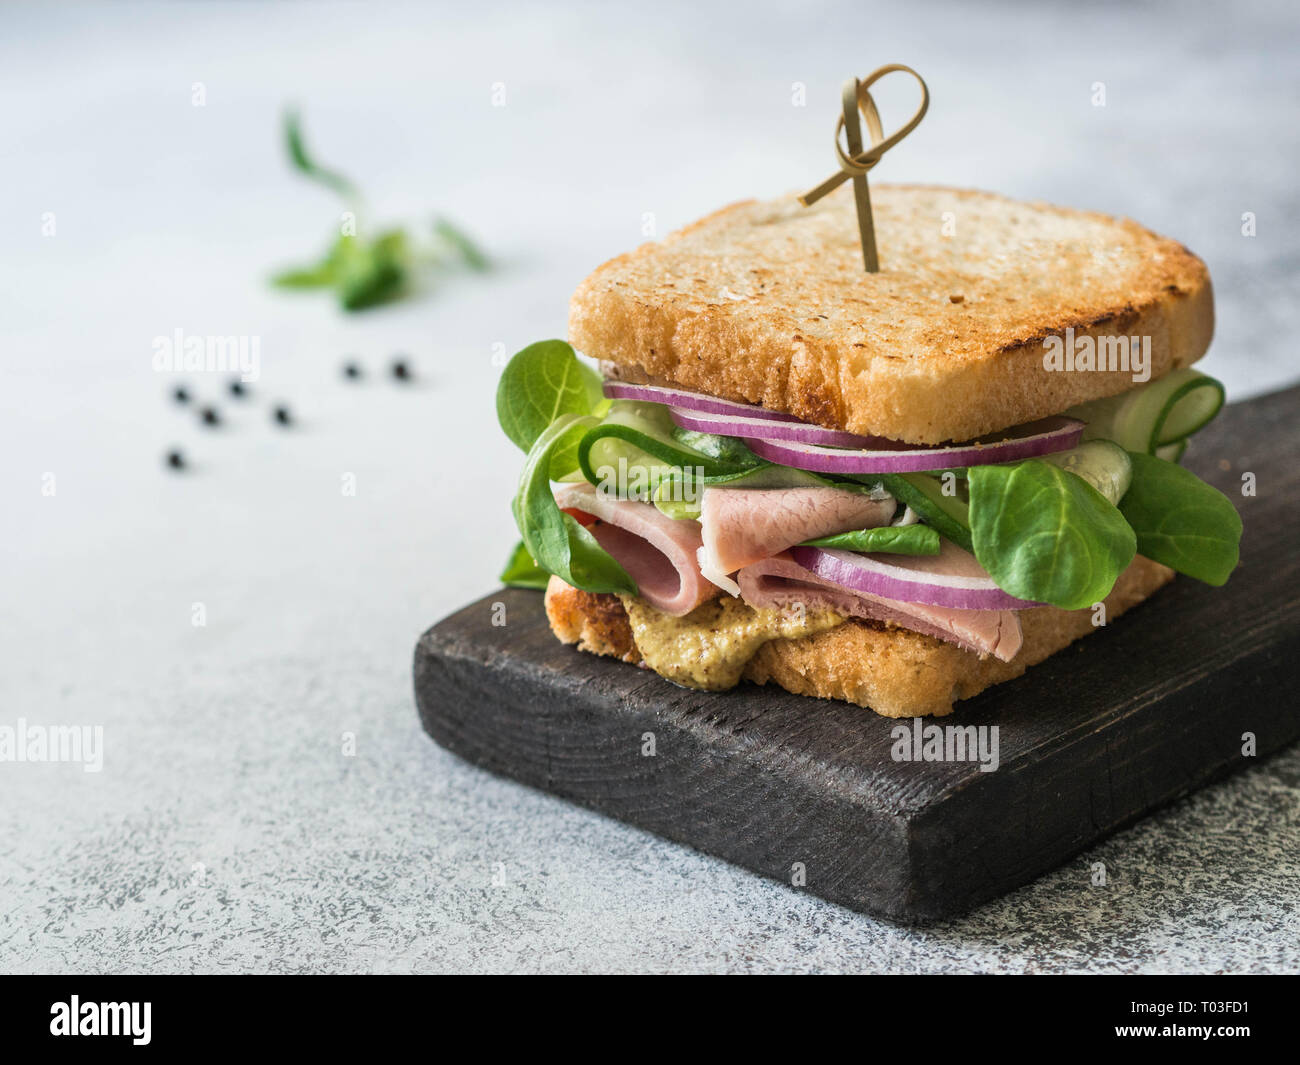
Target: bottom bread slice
893	671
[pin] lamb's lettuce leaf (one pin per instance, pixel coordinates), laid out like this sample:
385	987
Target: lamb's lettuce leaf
1046	535
540	384
1181	521
557	542
914	539
522	572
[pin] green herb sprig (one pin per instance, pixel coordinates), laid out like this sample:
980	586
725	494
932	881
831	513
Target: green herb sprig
367	270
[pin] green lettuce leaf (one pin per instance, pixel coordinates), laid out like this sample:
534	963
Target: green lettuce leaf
1181	521
553	538
540	384
894	539
1046	535
522	572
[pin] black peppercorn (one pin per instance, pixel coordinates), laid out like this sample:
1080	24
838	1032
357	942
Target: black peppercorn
401	369
352	370
238	388
181	394
282	415
176	459
210	416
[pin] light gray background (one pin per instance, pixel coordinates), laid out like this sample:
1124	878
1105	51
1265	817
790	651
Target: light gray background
227	832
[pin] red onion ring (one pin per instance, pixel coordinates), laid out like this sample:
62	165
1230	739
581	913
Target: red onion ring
769	429
679	397
1043	437
870	575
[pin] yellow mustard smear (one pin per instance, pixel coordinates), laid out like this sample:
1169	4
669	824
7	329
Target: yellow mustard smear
710	647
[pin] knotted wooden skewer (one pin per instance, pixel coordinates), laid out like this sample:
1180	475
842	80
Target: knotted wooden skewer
854	163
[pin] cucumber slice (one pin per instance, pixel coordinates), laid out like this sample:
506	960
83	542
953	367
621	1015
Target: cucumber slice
1192	405
1172	452
678	497
640	442
726	450
1102	463
641	435
677	509
1162	412
950	515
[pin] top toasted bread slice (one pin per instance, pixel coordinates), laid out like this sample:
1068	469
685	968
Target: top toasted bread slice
768	303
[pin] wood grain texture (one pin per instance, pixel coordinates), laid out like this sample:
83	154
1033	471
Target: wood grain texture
1103	732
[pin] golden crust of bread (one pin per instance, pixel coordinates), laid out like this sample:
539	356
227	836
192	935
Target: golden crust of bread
895	672
767	302
598	624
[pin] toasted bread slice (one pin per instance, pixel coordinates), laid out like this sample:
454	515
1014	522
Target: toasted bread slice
895	672
768	303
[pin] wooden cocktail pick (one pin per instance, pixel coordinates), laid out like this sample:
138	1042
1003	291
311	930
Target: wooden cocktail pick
855	162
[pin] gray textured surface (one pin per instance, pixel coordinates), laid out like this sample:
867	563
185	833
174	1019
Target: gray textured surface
227	830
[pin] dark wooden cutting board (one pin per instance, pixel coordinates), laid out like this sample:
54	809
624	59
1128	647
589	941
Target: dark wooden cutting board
805	791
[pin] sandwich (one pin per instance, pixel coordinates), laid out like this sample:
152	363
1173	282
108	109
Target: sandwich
893	488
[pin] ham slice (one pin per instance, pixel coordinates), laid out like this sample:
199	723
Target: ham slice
742	526
782	582
658	552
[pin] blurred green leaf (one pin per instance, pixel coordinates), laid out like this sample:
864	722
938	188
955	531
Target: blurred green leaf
374	273
303	161
469	252
368	272
305	277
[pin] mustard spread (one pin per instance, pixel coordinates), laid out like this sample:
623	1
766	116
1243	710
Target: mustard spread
710	647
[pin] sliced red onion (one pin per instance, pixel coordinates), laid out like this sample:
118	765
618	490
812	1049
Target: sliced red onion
1042	437
679	397
896	580
789	430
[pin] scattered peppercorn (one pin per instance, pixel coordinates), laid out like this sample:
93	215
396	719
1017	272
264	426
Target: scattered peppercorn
238	388
282	415
401	370
352	370
181	394
176	459
210	416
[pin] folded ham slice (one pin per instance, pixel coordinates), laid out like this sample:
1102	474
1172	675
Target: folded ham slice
782	582
741	526
658	552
